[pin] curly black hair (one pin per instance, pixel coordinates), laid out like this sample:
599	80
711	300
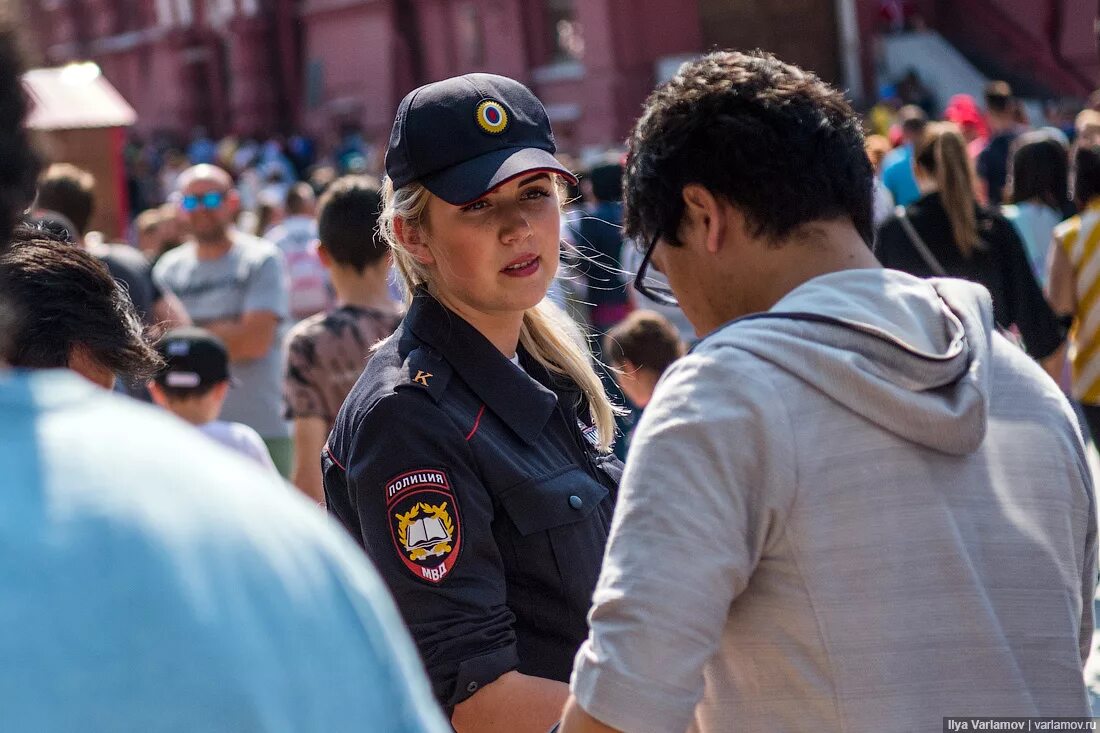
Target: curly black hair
62	296
775	141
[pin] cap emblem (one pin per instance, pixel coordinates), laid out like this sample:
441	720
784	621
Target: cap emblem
491	117
187	380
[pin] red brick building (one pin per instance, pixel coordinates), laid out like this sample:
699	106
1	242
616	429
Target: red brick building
268	65
262	65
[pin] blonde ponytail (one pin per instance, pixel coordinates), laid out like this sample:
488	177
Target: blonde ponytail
555	342
942	153
547	334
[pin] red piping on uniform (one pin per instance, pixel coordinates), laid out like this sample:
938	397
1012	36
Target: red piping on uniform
477	422
326	449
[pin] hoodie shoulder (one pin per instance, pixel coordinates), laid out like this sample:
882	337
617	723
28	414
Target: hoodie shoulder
708	373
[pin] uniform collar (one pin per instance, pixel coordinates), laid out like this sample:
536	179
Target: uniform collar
523	403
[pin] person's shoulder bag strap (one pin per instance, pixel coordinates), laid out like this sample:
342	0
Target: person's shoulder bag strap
918	243
937	268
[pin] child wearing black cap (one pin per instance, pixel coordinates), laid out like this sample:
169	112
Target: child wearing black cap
472	459
193	386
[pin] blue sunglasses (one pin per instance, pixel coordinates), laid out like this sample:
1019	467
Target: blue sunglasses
208	200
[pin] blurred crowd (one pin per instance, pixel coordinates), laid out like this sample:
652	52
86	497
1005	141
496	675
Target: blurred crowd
254	284
266	253
980	194
985	195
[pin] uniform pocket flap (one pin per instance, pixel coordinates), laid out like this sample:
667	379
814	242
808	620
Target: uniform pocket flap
557	499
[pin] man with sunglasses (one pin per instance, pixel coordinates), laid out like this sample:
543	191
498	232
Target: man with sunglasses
854	506
234	285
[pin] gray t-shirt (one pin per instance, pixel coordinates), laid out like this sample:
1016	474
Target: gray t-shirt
250	277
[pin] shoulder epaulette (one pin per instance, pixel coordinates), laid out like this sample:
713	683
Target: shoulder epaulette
426	369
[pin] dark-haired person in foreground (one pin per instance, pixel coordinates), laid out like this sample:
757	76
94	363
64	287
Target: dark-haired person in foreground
854	506
72	313
327	352
150	581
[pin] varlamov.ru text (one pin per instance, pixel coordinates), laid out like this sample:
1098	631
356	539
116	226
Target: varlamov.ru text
1020	724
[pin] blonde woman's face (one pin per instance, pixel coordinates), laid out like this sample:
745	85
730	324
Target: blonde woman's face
499	253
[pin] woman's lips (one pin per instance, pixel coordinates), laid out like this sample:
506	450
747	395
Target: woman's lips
524	267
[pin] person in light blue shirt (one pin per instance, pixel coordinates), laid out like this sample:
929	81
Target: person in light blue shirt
153	581
897	166
1038	189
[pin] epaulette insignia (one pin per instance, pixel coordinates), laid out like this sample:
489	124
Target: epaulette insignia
427	370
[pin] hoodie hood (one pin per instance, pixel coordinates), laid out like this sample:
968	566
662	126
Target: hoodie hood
910	355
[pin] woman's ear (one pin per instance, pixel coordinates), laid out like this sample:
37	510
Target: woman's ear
412	238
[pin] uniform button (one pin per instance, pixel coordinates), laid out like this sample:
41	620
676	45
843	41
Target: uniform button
472	687
575	502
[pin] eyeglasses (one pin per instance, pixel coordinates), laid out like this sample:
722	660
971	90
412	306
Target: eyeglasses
649	287
208	200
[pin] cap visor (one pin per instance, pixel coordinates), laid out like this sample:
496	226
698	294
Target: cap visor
469	180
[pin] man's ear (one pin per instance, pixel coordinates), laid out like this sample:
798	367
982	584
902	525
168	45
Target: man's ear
323	254
706	215
628	367
412	237
220	389
233	202
156	393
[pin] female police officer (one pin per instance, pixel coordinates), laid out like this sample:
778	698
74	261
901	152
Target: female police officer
471	460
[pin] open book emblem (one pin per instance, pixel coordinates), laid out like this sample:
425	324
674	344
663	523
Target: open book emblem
425	531
424	522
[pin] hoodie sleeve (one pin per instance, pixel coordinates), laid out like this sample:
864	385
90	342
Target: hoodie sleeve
1089	560
695	514
1088	586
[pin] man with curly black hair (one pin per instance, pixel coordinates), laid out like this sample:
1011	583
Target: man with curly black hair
854	506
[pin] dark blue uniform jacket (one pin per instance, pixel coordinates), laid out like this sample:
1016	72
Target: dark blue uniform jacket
477	492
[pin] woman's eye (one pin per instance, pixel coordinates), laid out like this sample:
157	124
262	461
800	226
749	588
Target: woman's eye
536	193
475	206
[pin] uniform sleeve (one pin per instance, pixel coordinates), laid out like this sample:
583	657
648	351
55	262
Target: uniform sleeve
416	503
267	288
300	391
641	668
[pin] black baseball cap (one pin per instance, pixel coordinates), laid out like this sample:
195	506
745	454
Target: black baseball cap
195	358
466	135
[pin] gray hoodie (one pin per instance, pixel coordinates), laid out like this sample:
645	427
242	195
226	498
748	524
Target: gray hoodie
863	510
